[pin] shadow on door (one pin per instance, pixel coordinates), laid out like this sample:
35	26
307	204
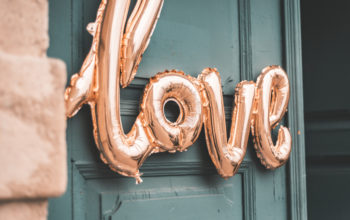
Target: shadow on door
326	58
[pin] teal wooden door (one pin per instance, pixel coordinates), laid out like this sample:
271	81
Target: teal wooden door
239	38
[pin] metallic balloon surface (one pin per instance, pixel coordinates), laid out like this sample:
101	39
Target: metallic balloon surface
98	81
271	101
139	28
112	61
183	90
226	156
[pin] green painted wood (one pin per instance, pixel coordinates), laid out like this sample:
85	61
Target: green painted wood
60	31
293	61
327	107
239	37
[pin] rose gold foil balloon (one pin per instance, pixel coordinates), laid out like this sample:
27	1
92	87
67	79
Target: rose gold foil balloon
113	60
137	36
272	96
83	85
122	152
183	90
226	156
98	84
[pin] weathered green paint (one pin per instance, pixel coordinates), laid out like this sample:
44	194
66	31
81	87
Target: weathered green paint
327	107
239	37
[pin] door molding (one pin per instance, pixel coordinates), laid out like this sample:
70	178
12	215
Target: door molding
91	171
293	64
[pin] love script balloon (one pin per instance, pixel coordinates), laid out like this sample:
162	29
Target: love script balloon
113	59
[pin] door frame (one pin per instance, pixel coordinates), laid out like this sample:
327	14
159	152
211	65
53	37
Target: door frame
293	63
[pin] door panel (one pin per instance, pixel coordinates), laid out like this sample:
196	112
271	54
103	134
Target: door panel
182	197
239	38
